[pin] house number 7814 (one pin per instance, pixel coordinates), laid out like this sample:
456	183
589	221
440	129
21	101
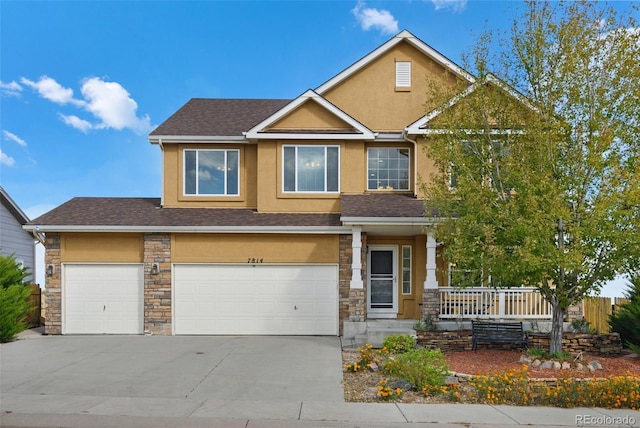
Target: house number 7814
254	260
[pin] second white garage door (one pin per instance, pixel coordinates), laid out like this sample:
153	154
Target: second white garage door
255	299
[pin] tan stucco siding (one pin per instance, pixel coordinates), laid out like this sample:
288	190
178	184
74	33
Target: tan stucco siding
102	247
310	116
425	166
371	97
173	178
251	248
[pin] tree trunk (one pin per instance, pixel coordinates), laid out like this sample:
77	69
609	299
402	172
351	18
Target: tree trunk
557	320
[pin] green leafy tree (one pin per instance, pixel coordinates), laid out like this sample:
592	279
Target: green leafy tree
626	320
539	172
14	294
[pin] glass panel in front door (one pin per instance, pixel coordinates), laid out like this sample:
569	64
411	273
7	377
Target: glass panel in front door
382	279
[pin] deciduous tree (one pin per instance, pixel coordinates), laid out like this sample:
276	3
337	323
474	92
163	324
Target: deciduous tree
539	171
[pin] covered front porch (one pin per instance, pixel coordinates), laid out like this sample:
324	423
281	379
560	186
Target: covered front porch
396	276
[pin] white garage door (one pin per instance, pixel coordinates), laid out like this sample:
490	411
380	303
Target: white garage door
103	299
256	299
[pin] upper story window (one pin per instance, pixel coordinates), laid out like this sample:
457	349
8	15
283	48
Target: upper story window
388	168
311	168
210	172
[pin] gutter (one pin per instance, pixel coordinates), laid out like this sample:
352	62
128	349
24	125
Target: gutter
193	229
389	221
195	138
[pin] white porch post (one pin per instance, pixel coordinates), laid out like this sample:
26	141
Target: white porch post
431	282
356	258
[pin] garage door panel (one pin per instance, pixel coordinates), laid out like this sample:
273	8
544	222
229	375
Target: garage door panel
103	299
261	299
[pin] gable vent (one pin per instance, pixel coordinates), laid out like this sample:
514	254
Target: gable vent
403	74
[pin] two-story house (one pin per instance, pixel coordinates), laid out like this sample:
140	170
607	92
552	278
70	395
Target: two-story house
277	216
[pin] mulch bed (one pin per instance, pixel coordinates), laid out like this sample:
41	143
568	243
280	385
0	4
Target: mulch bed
361	386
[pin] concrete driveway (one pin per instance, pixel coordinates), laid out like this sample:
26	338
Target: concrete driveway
169	376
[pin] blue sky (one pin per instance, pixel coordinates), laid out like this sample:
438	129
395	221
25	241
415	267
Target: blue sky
82	83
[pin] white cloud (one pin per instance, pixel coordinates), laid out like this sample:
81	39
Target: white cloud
455	5
6	160
12	89
76	122
13	137
113	106
52	91
380	19
109	102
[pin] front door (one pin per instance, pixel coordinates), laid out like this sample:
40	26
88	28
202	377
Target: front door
382	300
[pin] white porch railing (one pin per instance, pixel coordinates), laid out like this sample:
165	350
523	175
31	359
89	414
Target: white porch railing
489	303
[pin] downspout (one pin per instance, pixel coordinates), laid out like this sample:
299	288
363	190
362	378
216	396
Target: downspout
415	162
36	234
161	172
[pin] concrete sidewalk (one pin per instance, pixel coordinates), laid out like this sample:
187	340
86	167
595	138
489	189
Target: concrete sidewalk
121	381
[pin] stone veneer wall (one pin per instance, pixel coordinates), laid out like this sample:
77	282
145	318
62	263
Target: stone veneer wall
352	302
157	288
596	344
53	284
574	343
430	303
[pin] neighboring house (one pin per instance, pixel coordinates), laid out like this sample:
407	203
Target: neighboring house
297	216
14	240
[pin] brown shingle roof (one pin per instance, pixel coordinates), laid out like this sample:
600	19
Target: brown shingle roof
218	117
146	212
381	205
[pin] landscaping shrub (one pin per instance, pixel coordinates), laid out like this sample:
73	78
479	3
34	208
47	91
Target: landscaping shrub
510	387
14	294
387	392
399	343
514	387
368	355
13	308
421	367
626	320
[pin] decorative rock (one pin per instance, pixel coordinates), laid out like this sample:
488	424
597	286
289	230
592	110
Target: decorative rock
536	363
525	360
579	367
596	365
546	365
373	367
451	380
401	383
566	366
556	365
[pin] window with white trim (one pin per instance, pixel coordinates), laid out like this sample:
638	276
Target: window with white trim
406	269
388	168
403	74
311	169
212	172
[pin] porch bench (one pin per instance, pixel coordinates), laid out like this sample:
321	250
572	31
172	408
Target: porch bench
498	332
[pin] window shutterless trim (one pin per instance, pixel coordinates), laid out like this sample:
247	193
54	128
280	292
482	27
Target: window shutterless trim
226	172
296	171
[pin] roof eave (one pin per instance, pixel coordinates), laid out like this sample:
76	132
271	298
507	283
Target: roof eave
389	221
189	229
157	139
253	136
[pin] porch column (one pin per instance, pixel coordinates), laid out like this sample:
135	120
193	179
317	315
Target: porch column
431	294
431	282
356	257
